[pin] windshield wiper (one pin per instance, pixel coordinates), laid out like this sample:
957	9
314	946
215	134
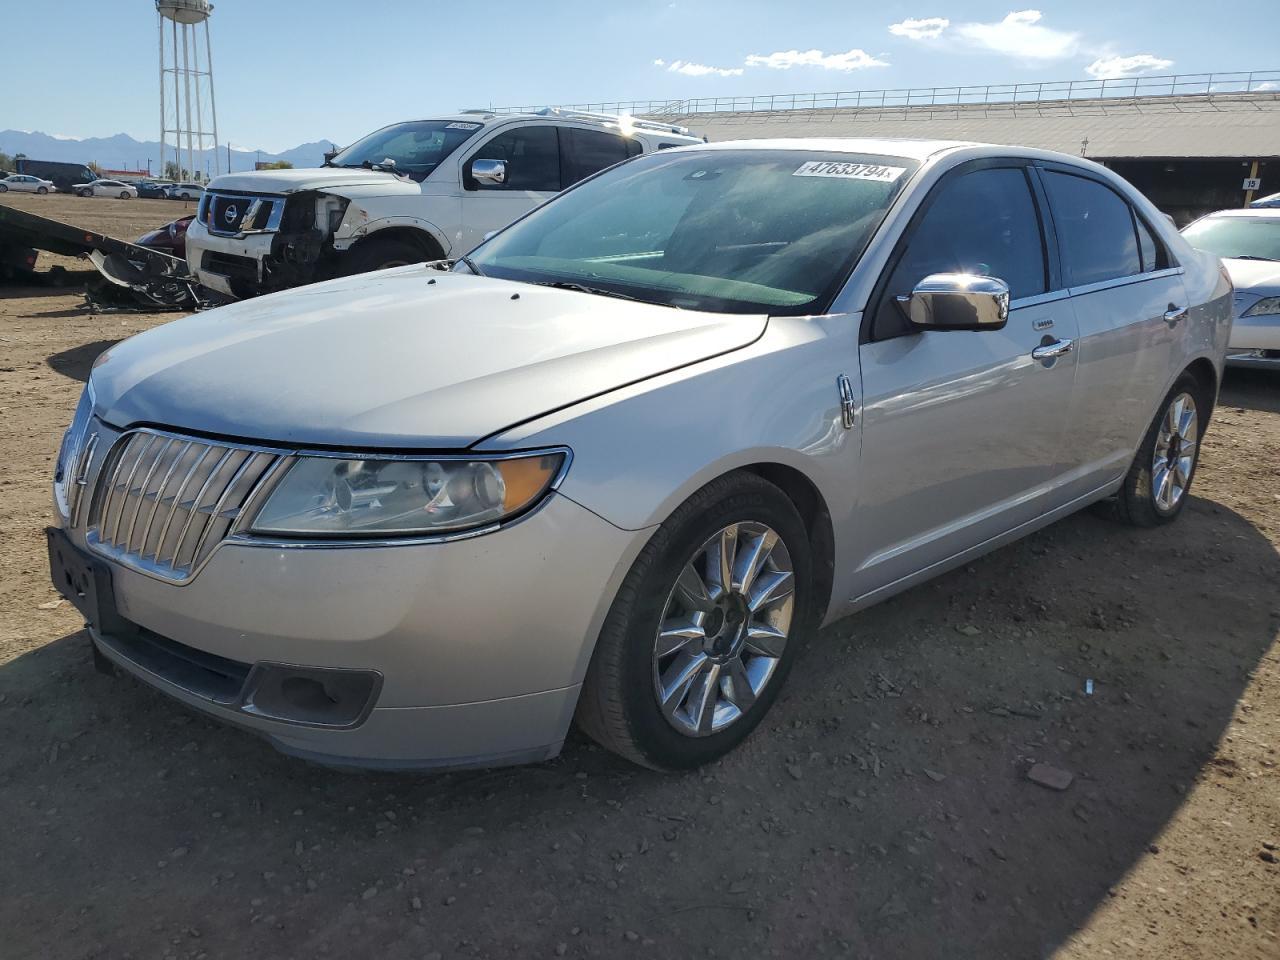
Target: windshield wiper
1250	256
470	265
583	288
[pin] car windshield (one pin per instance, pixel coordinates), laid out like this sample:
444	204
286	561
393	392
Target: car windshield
414	149
1247	238
730	231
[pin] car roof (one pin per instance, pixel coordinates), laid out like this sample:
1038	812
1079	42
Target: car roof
642	125
1254	213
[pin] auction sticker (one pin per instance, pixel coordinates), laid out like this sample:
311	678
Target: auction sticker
460	125
849	171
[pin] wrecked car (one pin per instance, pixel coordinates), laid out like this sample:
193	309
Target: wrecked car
411	192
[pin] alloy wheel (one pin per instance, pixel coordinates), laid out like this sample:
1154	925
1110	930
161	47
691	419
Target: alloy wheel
1175	452
724	629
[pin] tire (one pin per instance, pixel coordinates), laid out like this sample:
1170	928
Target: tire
42	189
1144	499
86	193
124	194
619	705
3	188
383	254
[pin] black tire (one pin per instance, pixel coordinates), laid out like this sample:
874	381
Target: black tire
1137	503
618	706
124	194
86	193
382	254
3	188
42	189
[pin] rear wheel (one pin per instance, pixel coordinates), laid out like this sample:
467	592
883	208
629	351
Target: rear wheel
4	188
704	628
1159	481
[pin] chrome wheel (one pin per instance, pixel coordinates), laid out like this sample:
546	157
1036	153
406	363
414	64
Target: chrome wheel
1175	452
724	628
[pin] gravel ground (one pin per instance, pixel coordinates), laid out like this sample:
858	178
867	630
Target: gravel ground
883	810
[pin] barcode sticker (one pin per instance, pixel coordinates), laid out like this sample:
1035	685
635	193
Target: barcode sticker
849	171
460	125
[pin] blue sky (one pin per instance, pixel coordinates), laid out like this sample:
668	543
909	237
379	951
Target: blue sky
289	72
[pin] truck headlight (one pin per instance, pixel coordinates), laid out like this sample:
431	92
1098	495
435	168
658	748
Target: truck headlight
339	497
1266	307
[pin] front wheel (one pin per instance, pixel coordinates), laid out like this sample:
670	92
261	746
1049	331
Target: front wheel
86	193
704	628
383	254
42	189
1156	487
124	194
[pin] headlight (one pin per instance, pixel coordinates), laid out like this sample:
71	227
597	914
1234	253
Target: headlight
328	496
1266	307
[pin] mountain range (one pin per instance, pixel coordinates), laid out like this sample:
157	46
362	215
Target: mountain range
123	152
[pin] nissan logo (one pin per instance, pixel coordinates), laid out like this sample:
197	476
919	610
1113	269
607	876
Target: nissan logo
229	214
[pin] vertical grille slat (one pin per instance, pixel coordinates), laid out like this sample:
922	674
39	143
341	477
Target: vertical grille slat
163	503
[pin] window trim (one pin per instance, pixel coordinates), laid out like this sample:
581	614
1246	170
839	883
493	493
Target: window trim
1048	237
471	185
1135	216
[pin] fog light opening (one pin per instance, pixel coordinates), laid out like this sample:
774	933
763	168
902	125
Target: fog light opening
307	694
314	696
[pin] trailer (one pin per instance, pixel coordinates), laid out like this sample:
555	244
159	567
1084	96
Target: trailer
148	277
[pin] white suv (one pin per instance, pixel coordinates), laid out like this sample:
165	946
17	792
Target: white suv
414	191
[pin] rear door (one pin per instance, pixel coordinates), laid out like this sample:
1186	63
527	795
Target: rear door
1128	299
962	429
532	155
584	151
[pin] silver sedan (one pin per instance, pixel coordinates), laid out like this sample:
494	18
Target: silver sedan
23	183
622	462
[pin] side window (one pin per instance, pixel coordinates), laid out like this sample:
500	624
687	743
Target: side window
1096	228
1154	255
532	155
589	151
984	222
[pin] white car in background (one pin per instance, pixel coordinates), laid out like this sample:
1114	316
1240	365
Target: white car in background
21	183
184	191
106	188
1248	241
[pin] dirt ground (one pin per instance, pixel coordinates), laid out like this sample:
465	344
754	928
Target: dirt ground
883	810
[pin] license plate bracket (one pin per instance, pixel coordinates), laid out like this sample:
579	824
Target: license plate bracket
83	581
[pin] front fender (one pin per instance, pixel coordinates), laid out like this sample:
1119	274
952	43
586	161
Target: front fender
357	226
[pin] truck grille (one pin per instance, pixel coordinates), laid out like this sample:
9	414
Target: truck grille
164	502
228	214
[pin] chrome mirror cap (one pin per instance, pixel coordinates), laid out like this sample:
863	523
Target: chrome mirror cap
957	301
489	171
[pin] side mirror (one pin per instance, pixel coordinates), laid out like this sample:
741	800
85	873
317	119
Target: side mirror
957	301
489	171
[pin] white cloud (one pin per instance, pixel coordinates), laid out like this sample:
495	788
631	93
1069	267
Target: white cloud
1107	67
786	59
659	62
702	70
1268	85
925	28
1021	35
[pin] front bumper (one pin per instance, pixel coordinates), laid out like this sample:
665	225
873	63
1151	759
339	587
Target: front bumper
228	265
480	644
1255	333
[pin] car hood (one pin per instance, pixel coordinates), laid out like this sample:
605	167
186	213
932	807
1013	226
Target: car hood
1255	276
320	178
394	360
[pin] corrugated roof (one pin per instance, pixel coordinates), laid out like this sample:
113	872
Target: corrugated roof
1216	126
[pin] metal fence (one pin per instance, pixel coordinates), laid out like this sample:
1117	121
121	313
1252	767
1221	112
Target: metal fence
1199	85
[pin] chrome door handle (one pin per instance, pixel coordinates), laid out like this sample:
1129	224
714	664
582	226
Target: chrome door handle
1051	350
1174	314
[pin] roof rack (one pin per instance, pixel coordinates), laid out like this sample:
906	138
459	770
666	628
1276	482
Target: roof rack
614	118
479	113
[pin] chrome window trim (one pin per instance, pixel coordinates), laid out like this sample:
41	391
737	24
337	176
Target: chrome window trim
1124	281
1036	300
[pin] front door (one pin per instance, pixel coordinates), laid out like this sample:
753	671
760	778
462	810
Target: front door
532	157
962	429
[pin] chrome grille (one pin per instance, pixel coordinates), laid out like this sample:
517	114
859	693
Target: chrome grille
164	502
231	214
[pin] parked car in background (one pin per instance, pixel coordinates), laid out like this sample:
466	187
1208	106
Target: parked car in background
105	188
624	459
1271	200
22	183
1248	241
170	239
415	191
63	175
184	191
154	189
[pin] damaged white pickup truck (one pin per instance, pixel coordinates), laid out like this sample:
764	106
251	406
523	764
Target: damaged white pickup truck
411	192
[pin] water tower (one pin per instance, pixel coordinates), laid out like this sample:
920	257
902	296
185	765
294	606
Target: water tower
186	86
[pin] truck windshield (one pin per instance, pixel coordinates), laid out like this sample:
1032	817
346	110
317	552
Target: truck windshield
414	149
1240	238
730	231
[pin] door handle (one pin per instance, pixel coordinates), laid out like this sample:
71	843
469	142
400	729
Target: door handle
1174	314
1051	350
